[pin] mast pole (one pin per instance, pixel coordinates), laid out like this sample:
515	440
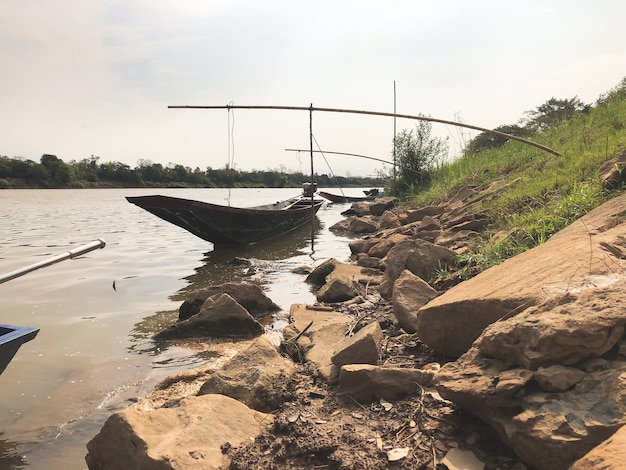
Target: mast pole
379	113
313	188
394	130
311	143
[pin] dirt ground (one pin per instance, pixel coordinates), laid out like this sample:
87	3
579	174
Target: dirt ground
318	429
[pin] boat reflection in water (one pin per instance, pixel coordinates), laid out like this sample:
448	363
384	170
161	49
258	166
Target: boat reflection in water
268	264
223	263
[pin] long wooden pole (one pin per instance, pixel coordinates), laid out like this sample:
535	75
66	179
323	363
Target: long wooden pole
81	250
311	145
377	113
343	153
355	155
314	190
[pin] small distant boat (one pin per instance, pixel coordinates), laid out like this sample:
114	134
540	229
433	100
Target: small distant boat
231	225
369	195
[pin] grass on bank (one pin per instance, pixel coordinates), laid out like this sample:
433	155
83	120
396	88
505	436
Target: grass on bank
543	193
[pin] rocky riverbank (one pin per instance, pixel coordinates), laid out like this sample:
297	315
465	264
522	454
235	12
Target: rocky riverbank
519	367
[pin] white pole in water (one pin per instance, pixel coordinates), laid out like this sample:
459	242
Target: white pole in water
81	250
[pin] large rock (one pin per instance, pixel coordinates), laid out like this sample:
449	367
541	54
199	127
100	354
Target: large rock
250	296
345	282
359	209
220	316
380	205
341	226
362	348
319	274
454	240
558	378
389	220
588	251
610	455
367	383
429	224
472	225
258	377
360	225
186	437
420	257
362	245
417	215
410	293
366	261
612	173
573	328
326	331
551	380
382	247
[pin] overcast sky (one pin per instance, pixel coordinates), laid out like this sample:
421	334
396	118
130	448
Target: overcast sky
95	77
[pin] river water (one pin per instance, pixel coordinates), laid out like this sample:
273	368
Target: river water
94	349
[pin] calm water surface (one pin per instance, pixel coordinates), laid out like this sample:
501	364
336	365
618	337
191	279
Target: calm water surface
94	349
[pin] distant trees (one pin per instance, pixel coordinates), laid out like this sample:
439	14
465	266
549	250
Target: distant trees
549	114
20	168
487	140
52	172
617	93
87	169
553	112
58	171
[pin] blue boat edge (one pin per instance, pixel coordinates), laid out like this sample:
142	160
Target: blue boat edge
11	339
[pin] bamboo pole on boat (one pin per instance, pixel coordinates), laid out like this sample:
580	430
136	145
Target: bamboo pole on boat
312	178
81	250
375	113
311	148
354	155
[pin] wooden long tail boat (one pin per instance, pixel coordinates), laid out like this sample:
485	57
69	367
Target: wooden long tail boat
231	225
370	195
338	199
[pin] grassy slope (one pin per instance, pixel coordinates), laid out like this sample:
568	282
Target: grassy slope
545	193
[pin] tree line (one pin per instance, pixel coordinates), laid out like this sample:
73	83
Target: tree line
52	172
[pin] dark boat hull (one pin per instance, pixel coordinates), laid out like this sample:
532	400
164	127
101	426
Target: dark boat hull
230	225
341	199
11	338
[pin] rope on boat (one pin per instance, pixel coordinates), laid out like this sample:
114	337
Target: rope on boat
328	165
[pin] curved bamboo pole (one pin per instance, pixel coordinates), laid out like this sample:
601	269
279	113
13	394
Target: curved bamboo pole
346	154
379	113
